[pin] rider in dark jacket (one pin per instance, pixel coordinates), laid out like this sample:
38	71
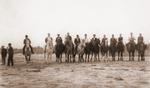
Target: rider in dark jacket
77	41
58	39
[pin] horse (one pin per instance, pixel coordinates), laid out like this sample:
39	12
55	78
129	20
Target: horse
95	49
80	50
27	53
104	50
131	47
69	51
113	49
87	51
48	52
120	50
141	47
59	49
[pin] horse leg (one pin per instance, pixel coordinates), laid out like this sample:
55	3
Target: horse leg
91	56
138	56
142	56
133	56
113	56
60	58
118	55
26	59
88	57
121	55
29	57
129	56
95	58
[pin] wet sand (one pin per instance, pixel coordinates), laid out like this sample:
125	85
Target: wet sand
38	74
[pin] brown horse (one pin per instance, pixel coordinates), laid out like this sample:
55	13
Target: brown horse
69	50
120	50
141	47
131	47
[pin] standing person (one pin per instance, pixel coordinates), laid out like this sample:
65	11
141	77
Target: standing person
26	42
10	55
3	55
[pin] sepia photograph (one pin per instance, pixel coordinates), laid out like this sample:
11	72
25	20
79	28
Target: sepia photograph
74	43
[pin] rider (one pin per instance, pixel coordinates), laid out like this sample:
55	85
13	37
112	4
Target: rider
49	40
77	41
131	39
86	40
140	39
26	42
113	40
69	37
120	39
104	40
94	37
58	39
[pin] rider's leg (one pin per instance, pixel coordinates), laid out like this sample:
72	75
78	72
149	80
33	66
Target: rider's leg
31	49
23	49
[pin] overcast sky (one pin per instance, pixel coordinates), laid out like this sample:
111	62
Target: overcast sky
39	17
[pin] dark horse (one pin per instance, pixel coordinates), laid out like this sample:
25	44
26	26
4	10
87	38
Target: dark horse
69	51
131	47
59	49
87	51
120	50
141	47
112	50
95	47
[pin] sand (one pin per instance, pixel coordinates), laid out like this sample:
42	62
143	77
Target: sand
38	74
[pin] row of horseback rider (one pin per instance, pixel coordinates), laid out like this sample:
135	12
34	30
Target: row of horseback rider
78	43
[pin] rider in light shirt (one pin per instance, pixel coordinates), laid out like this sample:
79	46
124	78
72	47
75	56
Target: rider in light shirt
26	42
49	40
131	39
104	40
86	40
